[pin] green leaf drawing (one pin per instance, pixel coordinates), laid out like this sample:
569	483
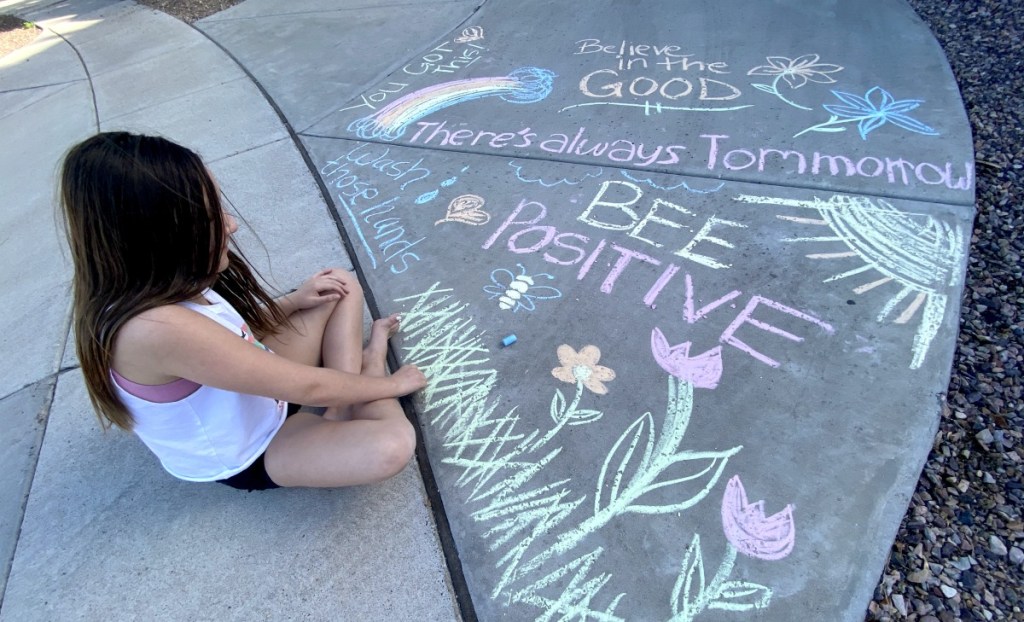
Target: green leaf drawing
584	416
683	593
626	460
741	596
557	406
690	474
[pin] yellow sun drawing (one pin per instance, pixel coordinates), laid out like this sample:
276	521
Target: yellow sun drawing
921	255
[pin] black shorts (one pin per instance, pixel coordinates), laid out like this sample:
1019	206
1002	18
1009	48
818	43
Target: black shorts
255	476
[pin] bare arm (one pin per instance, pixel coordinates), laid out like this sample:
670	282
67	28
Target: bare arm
173	342
324	286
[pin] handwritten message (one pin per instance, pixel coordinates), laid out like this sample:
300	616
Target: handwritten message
664	74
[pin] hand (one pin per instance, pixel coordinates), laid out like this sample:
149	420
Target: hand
325	286
409	379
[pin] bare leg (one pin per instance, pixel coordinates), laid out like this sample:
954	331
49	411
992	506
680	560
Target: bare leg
309	450
342	345
376	444
330	335
332	451
375	364
375	354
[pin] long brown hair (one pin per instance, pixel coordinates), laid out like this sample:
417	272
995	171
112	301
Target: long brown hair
144	222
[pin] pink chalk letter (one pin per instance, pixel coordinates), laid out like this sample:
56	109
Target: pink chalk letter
746	317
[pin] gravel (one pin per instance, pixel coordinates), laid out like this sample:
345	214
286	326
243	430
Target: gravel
189	10
15	33
958	553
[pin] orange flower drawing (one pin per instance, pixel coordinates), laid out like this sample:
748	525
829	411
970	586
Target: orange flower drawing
582	367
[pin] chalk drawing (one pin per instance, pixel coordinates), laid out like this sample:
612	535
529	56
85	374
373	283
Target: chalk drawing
467	210
550	184
643	461
870	112
426	197
645	471
522	86
498	462
647	181
359	231
749	532
746	317
519	291
703	370
579	368
658	108
885	169
378	96
442	58
919	254
473	33
796	72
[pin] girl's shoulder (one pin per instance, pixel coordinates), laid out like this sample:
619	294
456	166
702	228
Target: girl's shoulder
157	319
143	342
157	328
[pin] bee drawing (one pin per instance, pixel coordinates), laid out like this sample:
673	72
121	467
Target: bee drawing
519	291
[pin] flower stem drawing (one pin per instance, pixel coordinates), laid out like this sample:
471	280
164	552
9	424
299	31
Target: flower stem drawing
536	528
582	368
693	595
870	112
773	89
749	532
642	462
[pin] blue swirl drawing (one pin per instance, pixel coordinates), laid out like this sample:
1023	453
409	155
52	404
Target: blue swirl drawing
551	184
648	182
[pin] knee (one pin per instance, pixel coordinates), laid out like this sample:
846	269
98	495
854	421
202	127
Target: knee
396	449
351	281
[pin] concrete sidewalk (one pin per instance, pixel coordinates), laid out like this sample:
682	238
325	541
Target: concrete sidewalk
585	507
107	534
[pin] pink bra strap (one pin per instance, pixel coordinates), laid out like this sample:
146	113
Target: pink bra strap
157	393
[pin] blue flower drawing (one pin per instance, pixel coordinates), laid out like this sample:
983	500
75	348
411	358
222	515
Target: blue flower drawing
871	112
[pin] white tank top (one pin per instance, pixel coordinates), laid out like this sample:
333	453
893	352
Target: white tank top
210	434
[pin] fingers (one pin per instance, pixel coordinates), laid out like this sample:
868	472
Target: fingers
332	279
327	285
323	284
411	378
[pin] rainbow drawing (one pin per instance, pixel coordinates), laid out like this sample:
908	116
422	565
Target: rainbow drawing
525	85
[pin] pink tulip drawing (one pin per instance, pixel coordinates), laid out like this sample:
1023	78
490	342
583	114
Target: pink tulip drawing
750	531
702	371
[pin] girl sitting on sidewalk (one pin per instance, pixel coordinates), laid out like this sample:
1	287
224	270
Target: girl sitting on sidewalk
179	343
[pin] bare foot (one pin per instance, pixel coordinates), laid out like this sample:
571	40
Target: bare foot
375	353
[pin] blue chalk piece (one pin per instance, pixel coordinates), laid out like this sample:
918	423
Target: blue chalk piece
507	341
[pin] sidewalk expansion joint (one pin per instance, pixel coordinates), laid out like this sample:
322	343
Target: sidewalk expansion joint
696	175
88	76
40	86
391	69
460	587
214	19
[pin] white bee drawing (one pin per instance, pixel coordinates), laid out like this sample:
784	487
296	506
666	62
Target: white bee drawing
519	291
